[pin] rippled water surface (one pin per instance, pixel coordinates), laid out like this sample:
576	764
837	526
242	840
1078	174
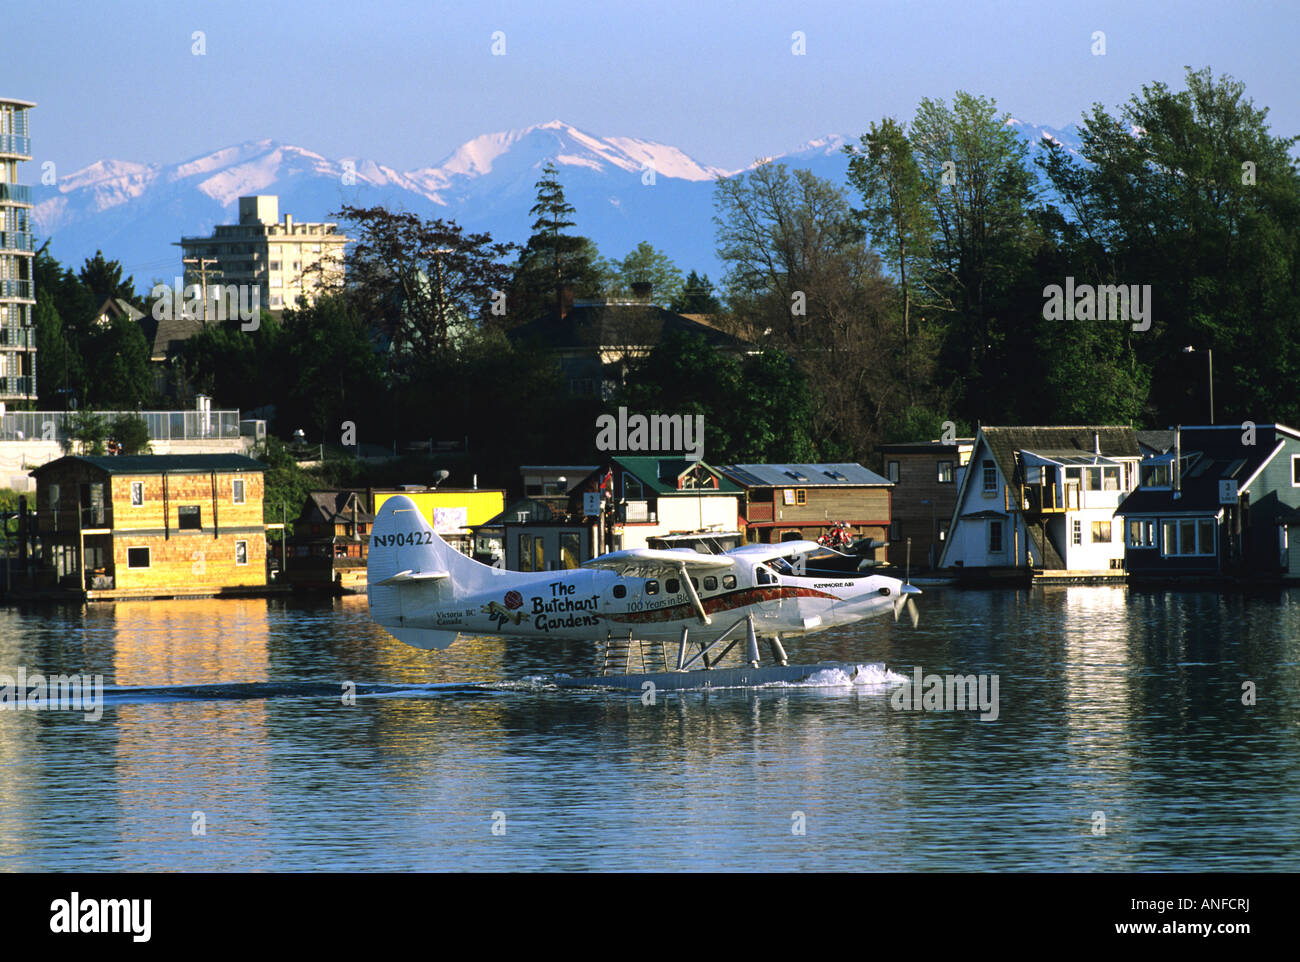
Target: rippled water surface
1114	704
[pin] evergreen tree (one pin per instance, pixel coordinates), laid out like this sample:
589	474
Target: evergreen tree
697	296
552	258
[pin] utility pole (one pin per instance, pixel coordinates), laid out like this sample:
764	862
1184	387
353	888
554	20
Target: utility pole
202	263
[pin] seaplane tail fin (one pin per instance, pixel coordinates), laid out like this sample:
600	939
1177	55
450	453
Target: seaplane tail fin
411	572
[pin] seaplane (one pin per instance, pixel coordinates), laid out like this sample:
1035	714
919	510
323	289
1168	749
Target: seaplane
425	593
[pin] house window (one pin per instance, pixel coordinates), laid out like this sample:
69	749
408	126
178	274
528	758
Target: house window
54	497
525	552
1295	470
1154	475
632	490
995	537
990	477
945	472
800	496
539	553
895	531
237	491
1189	537
241	552
189	517
1101	532
943	530
1076	532
137	557
137	493
570	548
893	470
1141	534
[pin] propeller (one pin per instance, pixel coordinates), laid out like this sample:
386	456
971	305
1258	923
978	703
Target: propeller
905	592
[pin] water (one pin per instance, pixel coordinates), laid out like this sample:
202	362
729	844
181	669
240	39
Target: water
1111	701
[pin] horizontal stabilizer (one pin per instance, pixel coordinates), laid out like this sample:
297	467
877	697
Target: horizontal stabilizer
408	576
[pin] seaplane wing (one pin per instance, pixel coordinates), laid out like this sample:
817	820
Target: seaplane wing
758	553
650	562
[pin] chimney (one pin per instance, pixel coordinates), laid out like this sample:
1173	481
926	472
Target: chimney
1096	443
564	298
641	290
288	223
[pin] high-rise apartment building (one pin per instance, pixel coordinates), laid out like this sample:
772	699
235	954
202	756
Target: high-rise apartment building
281	259
17	287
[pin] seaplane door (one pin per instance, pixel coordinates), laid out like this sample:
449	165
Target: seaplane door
765	579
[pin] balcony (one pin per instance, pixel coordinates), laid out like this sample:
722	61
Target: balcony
97	516
17	387
15	194
16	289
1048	498
635	512
16	240
16	144
758	511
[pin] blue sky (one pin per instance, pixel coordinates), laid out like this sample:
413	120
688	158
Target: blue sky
407	82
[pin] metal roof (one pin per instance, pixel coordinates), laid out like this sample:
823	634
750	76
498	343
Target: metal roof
162	463
802	475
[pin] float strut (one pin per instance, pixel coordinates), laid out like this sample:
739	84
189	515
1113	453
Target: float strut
751	642
778	653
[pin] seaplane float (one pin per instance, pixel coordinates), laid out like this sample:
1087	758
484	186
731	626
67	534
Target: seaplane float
426	594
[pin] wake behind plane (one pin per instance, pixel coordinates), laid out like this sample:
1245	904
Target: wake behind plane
426	594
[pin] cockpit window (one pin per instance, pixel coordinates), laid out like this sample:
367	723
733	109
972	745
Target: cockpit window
764	576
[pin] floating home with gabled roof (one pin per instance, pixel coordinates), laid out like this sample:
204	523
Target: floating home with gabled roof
1220	501
1040	501
151	526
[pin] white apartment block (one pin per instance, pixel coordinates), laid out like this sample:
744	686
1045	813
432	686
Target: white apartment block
284	259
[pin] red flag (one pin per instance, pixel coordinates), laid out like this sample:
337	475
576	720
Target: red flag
607	481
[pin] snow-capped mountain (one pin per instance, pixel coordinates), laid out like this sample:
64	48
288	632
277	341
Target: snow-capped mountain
625	190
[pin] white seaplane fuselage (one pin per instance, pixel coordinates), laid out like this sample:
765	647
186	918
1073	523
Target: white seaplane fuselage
426	593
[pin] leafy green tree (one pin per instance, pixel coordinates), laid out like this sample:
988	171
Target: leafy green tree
647	265
86	433
898	212
131	432
118	374
1191	193
423	282
974	166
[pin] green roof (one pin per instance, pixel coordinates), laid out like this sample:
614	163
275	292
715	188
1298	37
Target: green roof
163	463
660	475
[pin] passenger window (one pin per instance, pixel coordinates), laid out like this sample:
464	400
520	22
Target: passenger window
710	583
695	584
652	587
728	581
672	586
620	591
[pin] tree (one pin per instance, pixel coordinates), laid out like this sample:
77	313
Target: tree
103	279
86	433
898	213
1189	192
973	166
646	265
59	362
130	432
552	259
697	296
117	366
423	282
801	279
